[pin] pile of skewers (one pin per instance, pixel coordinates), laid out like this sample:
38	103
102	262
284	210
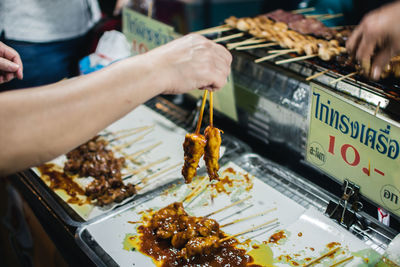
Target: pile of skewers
97	159
295	33
196	145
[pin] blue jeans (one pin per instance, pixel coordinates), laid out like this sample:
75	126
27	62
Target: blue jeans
46	63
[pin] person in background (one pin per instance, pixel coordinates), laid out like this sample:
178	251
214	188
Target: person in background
50	36
376	39
42	123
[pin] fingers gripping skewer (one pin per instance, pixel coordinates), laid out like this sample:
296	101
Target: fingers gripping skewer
229	206
321	257
248	230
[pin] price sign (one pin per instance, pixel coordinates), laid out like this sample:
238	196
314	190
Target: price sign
145	33
347	141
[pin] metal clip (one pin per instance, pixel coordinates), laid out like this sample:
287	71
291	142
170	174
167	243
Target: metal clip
340	211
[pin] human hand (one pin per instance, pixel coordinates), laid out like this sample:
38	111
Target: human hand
191	62
119	4
377	39
10	64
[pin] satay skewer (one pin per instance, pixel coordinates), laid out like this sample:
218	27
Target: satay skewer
281	51
321	257
196	190
211	109
147	179
295	59
142	151
203	104
146	167
248	230
249	217
229	206
261	59
256	46
303	10
229	37
138	130
253	40
343	77
333	16
128	144
316	75
215	29
135	130
342	261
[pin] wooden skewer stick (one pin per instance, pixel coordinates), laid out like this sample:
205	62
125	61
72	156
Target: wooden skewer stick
333	16
215	29
135	129
148	166
282	51
211	110
248	230
245	42
269	57
150	9
343	77
137	139
316	75
342	261
147	179
321	257
317	15
196	190
255	46
229	206
377	108
133	132
303	10
249	217
142	151
295	59
201	112
229	37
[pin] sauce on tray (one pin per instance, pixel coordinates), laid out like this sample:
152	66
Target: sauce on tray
164	254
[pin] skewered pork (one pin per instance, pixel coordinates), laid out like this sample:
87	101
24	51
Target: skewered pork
193	148
211	154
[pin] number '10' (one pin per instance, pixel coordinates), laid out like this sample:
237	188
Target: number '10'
343	151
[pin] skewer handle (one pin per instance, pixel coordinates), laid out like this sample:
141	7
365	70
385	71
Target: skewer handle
316	75
211	109
321	257
227	207
201	112
294	59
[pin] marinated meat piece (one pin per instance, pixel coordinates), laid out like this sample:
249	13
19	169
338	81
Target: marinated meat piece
193	148
200	245
211	153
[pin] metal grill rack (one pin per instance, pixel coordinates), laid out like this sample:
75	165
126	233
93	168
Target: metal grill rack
304	193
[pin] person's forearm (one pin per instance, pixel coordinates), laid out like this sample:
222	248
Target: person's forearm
39	124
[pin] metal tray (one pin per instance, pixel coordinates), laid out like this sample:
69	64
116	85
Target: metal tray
282	180
71	218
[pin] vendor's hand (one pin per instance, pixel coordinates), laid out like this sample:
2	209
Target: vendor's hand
191	62
10	64
377	39
119	4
